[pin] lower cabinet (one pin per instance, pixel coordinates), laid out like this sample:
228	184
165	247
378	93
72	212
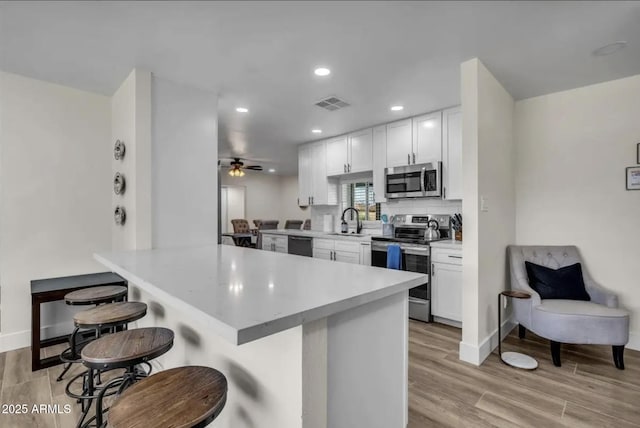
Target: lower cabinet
446	284
342	251
277	243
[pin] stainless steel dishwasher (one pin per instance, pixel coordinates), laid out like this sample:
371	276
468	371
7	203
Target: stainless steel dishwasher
301	245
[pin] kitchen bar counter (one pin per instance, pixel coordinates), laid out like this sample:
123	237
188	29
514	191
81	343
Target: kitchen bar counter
448	244
244	294
319	234
302	341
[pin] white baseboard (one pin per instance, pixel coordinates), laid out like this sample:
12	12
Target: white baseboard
22	339
477	354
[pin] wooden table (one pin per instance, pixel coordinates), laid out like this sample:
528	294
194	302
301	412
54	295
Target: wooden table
52	290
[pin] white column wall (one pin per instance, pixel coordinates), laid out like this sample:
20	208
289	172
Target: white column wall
488	159
184	158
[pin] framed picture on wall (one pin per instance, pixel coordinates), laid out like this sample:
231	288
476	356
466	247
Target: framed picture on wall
633	178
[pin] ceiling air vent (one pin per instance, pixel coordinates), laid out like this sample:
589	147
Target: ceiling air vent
332	103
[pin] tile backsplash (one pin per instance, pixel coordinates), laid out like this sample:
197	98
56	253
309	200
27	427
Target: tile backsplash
400	206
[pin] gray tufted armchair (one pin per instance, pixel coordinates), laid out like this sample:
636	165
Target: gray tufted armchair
596	322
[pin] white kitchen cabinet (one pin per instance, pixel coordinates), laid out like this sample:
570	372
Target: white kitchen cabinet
337	155
305	175
427	138
350	153
277	243
340	250
314	188
379	162
446	285
365	253
360	152
452	153
399	143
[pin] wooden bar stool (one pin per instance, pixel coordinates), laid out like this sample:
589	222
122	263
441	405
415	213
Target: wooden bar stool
87	296
96	295
184	397
101	317
124	349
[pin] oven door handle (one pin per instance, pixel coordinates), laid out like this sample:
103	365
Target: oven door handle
416	251
417	301
423	172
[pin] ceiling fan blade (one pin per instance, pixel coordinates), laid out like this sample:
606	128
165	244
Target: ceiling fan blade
254	167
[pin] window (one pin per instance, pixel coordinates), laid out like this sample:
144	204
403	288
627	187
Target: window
360	196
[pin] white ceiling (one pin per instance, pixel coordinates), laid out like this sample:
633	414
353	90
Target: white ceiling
262	54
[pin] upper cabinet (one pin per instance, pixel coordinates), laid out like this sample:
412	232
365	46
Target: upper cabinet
350	153
337	155
427	138
399	143
416	140
314	188
379	162
452	153
305	175
361	151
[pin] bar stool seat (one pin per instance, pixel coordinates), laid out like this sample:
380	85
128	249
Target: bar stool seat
127	348
96	295
184	397
110	315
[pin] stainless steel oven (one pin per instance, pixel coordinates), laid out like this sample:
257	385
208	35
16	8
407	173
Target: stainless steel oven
410	234
414	181
415	258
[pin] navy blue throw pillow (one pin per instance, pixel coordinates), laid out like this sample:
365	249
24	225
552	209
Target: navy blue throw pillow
564	283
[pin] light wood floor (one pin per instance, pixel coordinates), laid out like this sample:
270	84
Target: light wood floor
587	391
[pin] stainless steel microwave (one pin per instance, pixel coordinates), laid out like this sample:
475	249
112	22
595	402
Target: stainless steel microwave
414	181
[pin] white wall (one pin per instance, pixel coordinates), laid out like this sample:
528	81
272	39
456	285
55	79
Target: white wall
488	163
55	201
184	193
131	123
233	202
572	150
289	208
268	197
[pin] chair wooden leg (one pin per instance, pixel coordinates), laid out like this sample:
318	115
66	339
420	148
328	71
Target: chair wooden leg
521	331
555	353
618	356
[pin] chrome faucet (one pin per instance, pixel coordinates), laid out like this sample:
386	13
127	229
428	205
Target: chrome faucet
345	227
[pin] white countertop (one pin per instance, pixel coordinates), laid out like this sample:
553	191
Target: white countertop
244	294
447	243
318	234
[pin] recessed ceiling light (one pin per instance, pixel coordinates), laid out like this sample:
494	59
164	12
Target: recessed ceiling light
322	71
272	170
242	110
317	131
610	48
397	108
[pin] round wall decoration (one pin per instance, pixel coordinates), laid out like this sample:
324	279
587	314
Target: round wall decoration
119	215
118	150
118	184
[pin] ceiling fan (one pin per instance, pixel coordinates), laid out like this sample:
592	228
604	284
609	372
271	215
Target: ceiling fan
237	167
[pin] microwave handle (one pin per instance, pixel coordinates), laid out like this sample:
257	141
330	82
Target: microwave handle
422	176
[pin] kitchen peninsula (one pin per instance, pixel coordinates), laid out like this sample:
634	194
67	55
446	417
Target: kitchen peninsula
303	342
